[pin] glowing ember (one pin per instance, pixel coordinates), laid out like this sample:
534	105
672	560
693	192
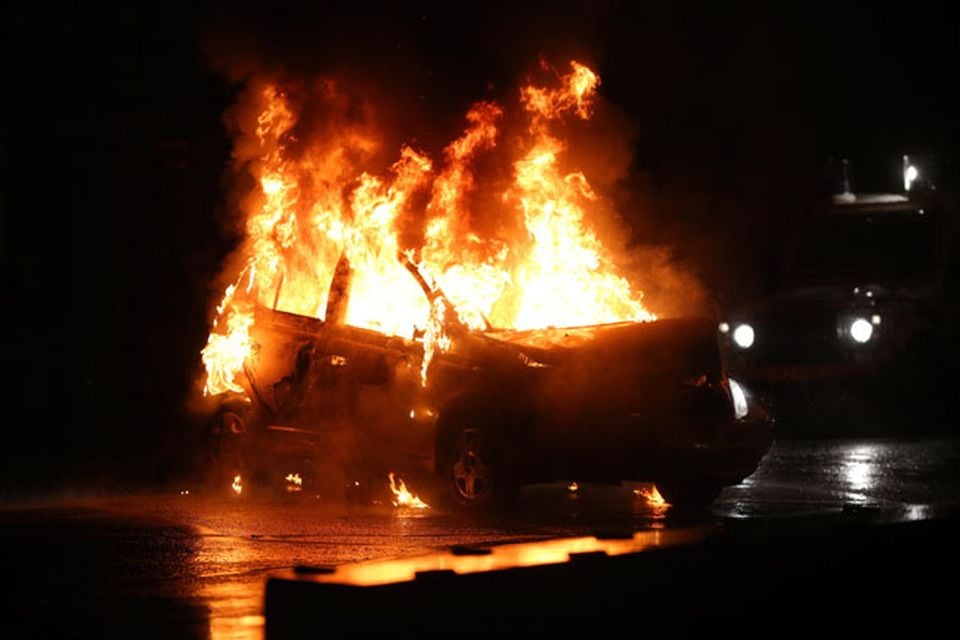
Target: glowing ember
514	247
294	482
402	496
652	496
573	487
237	484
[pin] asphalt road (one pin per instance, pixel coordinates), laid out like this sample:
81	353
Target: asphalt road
182	564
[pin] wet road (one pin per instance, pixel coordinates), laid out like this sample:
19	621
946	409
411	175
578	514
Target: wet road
186	565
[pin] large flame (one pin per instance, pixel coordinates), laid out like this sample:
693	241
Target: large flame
319	204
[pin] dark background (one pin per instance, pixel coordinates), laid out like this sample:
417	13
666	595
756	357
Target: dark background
114	209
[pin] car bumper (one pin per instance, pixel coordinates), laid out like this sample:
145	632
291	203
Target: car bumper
726	460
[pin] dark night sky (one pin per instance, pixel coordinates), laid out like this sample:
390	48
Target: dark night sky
114	157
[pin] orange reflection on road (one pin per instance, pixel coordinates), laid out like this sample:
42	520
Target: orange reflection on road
507	557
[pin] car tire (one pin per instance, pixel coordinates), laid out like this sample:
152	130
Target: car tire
687	493
228	433
476	464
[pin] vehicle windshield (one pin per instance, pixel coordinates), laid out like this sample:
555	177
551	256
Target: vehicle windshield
899	246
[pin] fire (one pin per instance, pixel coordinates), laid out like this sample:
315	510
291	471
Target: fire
237	485
518	250
652	496
402	496
294	482
225	354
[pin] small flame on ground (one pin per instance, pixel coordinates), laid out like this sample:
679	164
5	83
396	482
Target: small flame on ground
402	496
237	484
294	482
573	487
652	496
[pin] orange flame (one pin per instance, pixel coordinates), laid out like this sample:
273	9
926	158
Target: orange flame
319	201
652	496
294	482
402	496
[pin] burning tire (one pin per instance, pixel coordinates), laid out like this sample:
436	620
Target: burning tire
476	463
688	492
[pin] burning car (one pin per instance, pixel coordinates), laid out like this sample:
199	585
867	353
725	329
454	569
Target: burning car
494	409
859	316
464	318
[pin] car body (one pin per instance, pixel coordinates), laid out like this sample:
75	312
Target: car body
497	408
859	314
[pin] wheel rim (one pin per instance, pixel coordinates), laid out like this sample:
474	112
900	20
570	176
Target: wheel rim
471	474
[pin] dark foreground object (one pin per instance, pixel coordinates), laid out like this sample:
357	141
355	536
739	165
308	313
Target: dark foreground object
853	576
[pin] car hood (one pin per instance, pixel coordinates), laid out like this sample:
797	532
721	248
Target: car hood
671	347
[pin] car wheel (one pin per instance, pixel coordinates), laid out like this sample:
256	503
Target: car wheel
476	466
686	493
228	431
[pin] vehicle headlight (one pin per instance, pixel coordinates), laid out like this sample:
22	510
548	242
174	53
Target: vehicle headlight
860	330
739	396
743	336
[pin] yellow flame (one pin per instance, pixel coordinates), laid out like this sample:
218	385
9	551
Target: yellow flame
294	482
237	485
435	338
319	200
225	354
402	496
652	496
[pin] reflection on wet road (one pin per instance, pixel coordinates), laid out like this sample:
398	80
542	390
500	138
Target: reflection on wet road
195	566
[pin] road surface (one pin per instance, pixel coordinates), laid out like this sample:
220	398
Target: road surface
182	564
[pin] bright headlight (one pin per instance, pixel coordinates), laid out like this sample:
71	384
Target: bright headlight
743	336
739	396
861	330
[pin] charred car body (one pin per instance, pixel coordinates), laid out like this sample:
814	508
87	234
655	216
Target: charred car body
494	409
862	314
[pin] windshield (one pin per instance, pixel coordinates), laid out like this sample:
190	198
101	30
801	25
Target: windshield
900	245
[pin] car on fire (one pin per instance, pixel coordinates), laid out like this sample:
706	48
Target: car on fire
492	410
862	314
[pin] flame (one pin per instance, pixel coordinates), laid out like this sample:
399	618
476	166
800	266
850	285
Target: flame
237	485
516	251
294	482
225	354
402	496
435	338
652	496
